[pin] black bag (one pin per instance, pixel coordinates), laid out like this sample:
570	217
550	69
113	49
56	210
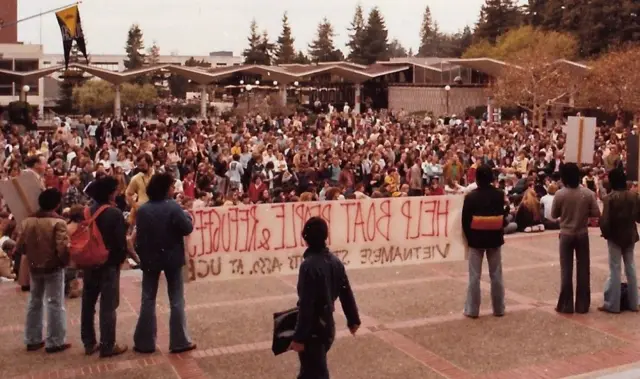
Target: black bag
284	326
624	297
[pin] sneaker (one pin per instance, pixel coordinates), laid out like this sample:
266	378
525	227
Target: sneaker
58	349
117	350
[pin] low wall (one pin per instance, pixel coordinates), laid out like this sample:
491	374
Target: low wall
434	99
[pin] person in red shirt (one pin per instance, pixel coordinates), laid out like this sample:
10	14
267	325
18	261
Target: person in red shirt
436	189
256	188
189	186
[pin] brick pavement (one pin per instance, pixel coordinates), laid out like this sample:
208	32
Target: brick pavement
412	327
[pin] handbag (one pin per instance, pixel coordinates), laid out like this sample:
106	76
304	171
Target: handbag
284	327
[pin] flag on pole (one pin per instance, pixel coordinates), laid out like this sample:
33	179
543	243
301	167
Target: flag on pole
71	29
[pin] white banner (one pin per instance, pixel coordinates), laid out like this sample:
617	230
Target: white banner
259	240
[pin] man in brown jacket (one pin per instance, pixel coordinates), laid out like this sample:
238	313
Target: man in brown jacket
45	241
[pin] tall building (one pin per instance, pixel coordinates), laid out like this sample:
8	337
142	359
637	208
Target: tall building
8	15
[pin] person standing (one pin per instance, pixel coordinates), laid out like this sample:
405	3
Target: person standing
483	222
136	193
104	281
161	227
574	205
45	242
321	280
620	214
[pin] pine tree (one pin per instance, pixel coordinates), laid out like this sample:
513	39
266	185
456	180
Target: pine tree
322	48
396	50
496	18
429	36
286	53
266	49
301	58
71	78
253	55
356	38
157	78
153	54
376	43
134	49
410	52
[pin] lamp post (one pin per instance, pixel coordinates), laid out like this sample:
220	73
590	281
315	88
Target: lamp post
25	91
447	89
248	89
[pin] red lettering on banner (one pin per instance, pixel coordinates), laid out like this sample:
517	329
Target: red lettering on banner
366	223
426	223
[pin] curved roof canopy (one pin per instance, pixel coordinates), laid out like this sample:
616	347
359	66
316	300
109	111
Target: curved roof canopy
22	77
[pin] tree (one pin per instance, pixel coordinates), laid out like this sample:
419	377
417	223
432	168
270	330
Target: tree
97	96
376	43
266	49
71	78
153	59
356	37
285	53
179	85
534	80
134	49
256	52
612	82
555	44
396	50
153	54
496	18
322	48
301	58
429	36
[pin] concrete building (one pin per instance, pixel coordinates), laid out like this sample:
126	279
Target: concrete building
23	59
8	16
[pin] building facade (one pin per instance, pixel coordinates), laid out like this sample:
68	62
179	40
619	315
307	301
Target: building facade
22	58
8	16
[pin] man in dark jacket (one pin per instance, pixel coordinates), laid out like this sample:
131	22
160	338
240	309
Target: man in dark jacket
104	281
161	226
620	214
322	279
483	221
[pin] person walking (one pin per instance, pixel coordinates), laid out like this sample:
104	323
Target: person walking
322	279
104	281
45	242
574	205
483	222
161	227
620	214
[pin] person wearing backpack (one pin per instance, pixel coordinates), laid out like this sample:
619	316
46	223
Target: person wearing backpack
44	241
161	225
101	263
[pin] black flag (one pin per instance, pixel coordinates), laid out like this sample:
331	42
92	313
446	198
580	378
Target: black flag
71	29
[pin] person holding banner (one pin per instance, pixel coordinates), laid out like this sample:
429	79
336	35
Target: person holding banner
574	205
483	222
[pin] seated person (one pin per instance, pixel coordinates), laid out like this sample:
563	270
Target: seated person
528	216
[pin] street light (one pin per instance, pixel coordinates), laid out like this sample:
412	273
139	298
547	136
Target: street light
248	89
257	82
241	82
296	83
275	82
25	91
447	89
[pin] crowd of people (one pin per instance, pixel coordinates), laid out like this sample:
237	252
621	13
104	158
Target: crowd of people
511	172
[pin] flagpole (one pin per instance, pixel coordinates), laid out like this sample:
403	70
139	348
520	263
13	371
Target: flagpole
2	26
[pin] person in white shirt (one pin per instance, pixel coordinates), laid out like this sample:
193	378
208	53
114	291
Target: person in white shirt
546	202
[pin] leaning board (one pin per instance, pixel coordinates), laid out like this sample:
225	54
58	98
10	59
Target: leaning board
262	240
21	194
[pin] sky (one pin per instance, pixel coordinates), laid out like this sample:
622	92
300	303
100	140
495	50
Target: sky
197	27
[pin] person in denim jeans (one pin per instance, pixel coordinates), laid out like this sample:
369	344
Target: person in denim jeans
104	281
620	214
45	241
161	227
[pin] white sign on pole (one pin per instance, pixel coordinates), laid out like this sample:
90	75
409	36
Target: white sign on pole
581	138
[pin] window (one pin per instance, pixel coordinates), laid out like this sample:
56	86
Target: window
6	84
221	64
24	65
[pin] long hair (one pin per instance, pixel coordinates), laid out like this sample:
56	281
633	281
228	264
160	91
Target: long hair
159	185
531	202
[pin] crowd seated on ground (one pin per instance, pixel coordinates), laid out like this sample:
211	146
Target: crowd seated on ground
327	156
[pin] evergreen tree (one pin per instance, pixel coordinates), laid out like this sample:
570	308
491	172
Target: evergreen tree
266	49
153	54
134	49
376	44
301	58
157	78
322	48
410	53
429	36
286	53
396	50
71	78
179	85
254	54
496	18
356	37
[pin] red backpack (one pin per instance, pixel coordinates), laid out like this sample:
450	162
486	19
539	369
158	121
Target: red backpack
87	249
